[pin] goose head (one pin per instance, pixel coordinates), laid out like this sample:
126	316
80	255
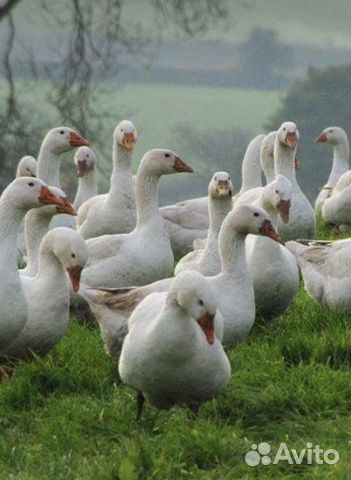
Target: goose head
126	134
332	135
64	139
288	134
278	194
192	293
27	167
220	186
161	161
84	160
251	219
70	249
28	192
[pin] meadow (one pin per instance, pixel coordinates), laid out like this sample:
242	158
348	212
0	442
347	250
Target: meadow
68	416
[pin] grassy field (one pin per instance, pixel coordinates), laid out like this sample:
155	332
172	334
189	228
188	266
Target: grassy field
69	417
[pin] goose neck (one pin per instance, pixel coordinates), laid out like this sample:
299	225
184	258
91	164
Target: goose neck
340	162
284	161
218	210
10	221
36	225
146	196
121	178
232	253
48	168
86	188
265	203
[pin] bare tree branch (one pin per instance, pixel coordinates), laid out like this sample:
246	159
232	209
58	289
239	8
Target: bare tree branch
5	9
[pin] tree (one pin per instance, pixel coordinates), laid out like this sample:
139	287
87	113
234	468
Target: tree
321	100
263	59
95	38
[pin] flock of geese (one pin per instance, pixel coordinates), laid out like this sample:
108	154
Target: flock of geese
116	251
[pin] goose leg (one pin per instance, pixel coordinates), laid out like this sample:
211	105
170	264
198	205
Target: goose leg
140	404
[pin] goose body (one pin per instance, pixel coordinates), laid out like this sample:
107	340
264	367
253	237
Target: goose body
337	138
206	260
145	254
20	196
326	271
336	209
47	294
272	267
114	212
302	222
171	355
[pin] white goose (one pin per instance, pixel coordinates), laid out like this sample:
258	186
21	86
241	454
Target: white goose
337	138
27	167
273	268
326	270
188	221
20	196
336	209
57	141
233	287
36	225
47	294
114	212
171	355
145	254
302	222
206	260
85	160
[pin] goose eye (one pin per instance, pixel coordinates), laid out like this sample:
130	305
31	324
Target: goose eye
62	132
284	129
73	255
122	130
167	155
31	184
256	214
201	303
229	179
215	178
330	131
277	191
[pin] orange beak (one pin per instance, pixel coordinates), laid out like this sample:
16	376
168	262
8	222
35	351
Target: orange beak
180	166
223	188
76	140
46	197
66	207
268	230
128	141
82	168
291	139
322	138
284	208
74	274
207	325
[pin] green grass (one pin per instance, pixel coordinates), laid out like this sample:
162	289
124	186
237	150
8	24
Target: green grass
69	417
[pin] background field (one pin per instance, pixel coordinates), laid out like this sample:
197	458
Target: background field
69	416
